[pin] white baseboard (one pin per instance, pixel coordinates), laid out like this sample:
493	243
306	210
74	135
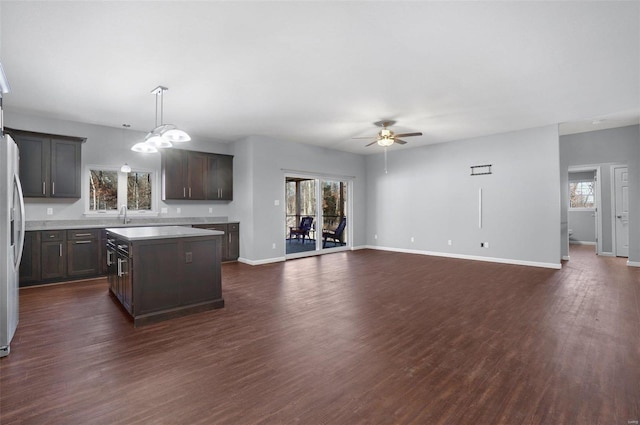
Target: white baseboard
260	262
355	248
582	243
471	257
566	258
606	254
633	263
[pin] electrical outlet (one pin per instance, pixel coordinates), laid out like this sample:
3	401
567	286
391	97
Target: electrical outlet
484	244
188	257
375	236
178	210
49	211
276	202
273	246
163	210
413	239
449	242
210	210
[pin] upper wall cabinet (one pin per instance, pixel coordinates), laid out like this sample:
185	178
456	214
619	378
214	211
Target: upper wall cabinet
50	164
220	177
196	175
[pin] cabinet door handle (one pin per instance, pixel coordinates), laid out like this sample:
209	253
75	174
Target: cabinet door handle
53	188
52	236
184	192
189	192
109	258
79	242
44	188
60	246
82	234
120	267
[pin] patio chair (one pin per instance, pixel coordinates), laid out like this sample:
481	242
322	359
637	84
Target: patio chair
302	230
335	235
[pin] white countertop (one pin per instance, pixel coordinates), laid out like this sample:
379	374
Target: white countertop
160	232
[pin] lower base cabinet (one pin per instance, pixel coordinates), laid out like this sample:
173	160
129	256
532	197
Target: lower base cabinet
58	255
30	264
230	240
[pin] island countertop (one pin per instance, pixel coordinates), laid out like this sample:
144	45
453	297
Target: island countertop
160	232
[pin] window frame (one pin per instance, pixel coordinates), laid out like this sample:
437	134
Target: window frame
595	201
122	192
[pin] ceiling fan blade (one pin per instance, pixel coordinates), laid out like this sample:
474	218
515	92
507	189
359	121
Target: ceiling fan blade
372	143
384	123
400	142
365	137
408	134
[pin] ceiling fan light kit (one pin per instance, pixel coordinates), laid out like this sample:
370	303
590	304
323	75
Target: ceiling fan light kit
386	137
163	135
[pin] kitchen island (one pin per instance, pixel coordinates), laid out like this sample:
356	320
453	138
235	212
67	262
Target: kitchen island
158	273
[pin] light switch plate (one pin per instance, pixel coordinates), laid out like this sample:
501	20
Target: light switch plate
49	211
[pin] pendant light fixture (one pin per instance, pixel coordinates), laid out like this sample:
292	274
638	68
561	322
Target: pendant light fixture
163	135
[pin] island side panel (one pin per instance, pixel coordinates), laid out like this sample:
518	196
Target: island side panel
157	268
202	277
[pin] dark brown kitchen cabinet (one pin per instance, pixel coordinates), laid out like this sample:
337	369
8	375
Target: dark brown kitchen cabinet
220	177
50	165
52	260
57	255
183	174
191	175
83	253
230	239
30	264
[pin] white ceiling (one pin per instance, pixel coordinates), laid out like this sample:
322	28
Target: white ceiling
323	72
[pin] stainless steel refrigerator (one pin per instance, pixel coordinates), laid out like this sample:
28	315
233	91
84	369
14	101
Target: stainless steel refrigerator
11	232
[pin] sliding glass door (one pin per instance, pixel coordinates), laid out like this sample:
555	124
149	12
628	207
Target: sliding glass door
334	214
316	215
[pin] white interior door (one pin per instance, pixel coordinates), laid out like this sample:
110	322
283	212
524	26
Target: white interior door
622	211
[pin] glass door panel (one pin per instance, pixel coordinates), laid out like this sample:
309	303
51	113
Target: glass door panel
334	214
301	215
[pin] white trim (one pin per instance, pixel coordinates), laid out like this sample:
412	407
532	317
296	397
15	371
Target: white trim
260	262
614	194
298	173
470	257
359	247
575	242
606	254
566	258
633	263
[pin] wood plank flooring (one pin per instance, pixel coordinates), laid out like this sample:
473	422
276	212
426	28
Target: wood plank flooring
364	337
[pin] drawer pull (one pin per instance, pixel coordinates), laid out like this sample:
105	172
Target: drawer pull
52	236
79	242
82	234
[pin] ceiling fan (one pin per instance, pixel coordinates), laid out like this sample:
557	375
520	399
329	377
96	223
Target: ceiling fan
387	137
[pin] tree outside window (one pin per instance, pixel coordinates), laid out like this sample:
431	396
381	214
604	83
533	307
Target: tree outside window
582	194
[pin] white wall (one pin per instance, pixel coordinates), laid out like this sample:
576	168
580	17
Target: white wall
429	195
261	179
612	146
107	146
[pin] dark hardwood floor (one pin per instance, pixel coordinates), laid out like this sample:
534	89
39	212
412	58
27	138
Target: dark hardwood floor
364	337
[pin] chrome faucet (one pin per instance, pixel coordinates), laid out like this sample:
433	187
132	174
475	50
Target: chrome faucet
123	208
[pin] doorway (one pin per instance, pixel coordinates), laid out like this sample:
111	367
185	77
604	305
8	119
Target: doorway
621	211
584	218
316	215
